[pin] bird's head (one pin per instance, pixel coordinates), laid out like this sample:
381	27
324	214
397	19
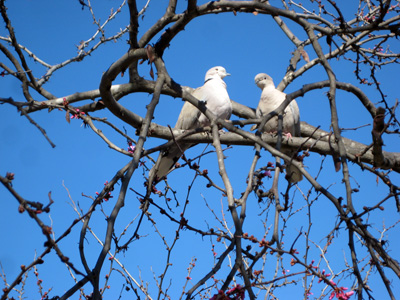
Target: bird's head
216	71
262	80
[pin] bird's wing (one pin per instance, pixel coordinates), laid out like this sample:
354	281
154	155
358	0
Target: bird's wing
188	119
189	115
291	123
291	119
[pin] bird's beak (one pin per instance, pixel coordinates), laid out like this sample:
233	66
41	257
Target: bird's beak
227	74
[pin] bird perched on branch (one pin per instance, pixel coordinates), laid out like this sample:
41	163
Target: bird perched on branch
270	100
215	96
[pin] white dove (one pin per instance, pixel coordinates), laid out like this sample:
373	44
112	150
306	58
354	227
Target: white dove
217	100
271	99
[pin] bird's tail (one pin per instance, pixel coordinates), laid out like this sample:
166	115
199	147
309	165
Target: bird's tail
166	161
293	173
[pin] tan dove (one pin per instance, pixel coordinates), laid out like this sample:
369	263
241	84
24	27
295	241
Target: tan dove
217	100
271	99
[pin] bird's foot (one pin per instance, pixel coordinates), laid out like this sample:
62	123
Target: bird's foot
288	135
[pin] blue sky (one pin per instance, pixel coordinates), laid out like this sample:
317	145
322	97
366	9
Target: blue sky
245	45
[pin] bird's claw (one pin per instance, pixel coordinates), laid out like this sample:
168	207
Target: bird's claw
288	135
